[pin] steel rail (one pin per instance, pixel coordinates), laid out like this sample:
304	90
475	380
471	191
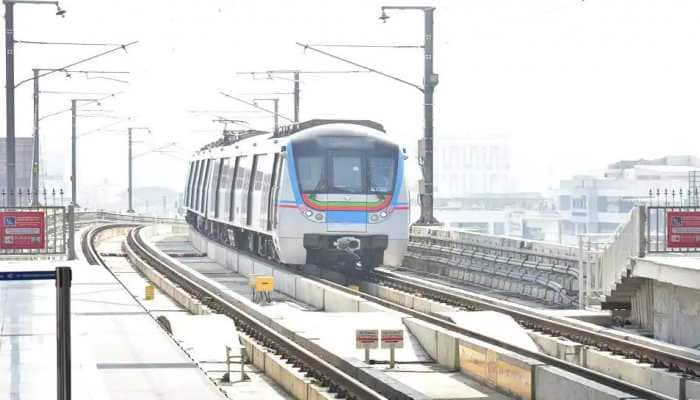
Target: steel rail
328	375
446	324
443	322
657	357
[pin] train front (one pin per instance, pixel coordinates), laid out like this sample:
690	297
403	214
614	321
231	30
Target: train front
348	186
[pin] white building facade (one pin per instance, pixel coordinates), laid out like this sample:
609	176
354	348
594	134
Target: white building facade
599	203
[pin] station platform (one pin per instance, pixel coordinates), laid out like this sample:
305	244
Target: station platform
118	349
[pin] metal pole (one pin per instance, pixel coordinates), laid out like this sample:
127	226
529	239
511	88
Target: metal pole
71	232
63	348
581	287
589	283
35	155
276	102
73	138
429	83
296	96
10	100
131	189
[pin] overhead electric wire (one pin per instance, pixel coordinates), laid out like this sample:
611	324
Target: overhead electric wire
121	47
103	128
382	46
79	71
75	93
156	149
86	102
66	43
370	69
257	106
108	79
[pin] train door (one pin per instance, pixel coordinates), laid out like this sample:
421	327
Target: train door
274	192
346	198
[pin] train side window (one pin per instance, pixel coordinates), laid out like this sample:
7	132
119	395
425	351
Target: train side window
204	186
234	180
198	182
224	193
188	183
213	189
190	180
253	178
242	189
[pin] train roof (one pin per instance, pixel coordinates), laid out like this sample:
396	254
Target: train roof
255	141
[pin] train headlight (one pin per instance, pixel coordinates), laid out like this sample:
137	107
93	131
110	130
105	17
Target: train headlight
319	217
373	218
383	214
309	213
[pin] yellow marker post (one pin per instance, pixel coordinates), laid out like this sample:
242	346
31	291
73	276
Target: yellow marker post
264	283
150	292
262	286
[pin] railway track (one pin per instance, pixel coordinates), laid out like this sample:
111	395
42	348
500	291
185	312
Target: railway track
443	322
248	321
332	377
644	353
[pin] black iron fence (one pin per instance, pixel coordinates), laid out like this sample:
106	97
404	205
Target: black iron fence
672	221
25	197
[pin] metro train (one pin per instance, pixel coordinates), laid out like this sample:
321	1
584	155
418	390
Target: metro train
328	193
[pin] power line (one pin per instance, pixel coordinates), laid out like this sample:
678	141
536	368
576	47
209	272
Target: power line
108	79
121	47
370	69
66	43
382	46
256	106
103	128
87	102
74	93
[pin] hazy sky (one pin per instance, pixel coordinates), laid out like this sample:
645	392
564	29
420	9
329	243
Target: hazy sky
576	84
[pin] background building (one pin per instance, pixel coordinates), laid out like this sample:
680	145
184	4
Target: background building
472	165
23	163
599	203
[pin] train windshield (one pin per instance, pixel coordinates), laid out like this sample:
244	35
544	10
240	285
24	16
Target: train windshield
346	171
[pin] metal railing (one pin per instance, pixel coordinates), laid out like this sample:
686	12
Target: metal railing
55	235
24	197
616	258
659	204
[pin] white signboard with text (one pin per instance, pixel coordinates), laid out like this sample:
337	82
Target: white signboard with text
392	338
366	339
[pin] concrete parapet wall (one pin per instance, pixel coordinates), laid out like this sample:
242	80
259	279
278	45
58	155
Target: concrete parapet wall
676	314
284	374
499	368
556	384
645	375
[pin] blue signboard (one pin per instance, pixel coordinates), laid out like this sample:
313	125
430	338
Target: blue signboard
26	275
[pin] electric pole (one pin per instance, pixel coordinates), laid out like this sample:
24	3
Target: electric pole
10	89
296	96
430	80
10	100
35	154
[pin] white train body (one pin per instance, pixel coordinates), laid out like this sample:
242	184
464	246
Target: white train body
328	193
